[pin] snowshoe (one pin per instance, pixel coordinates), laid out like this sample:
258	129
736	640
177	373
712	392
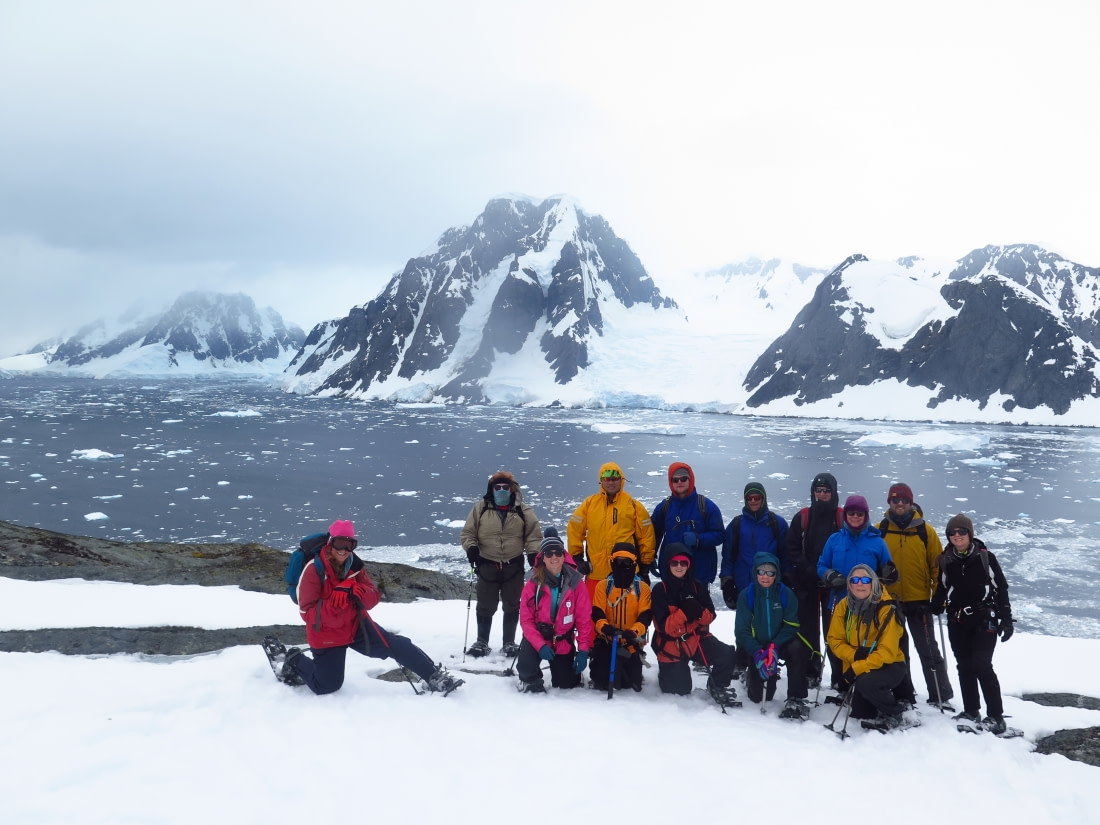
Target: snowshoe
888	723
795	709
726	697
277	657
510	649
479	649
531	687
967	717
945	705
443	682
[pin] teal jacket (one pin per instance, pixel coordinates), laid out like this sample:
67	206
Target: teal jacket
772	616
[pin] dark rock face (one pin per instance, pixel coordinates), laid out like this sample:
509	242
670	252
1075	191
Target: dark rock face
198	325
521	267
31	554
1079	744
1024	327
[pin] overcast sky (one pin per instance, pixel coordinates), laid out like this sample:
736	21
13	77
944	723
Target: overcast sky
303	152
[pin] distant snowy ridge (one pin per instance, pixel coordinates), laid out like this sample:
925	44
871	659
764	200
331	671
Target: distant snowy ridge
201	333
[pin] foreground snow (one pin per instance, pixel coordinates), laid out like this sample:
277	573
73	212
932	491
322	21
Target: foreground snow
133	738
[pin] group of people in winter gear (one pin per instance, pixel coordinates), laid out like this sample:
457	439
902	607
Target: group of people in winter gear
592	599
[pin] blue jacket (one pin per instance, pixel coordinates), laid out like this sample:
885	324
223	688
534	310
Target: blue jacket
754	536
773	617
845	549
683	516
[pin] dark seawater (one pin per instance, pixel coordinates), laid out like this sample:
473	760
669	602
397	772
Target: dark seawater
205	460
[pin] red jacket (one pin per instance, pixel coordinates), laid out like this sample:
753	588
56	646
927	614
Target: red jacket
327	625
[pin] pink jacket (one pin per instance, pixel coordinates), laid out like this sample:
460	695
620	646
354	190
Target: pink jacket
574	612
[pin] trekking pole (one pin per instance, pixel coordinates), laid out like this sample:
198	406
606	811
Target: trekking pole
469	598
943	657
511	669
614	659
845	705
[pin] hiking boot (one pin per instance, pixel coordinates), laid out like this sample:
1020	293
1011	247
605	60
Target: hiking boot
995	724
289	674
795	709
443	682
945	705
478	649
968	716
510	649
532	686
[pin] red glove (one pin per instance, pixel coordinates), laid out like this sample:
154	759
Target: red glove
340	598
360	589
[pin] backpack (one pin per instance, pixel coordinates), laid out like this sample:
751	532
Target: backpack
637	587
772	522
702	506
922	530
306	553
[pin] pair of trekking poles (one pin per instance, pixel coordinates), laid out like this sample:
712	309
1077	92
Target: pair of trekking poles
846	704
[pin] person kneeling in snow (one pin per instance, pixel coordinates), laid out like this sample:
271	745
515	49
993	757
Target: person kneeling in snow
621	613
334	608
555	614
865	635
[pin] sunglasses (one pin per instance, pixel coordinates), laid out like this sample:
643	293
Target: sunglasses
679	563
502	486
900	500
680	479
753	498
344	545
958	531
855	514
860	580
553	553
611	477
822	491
770	574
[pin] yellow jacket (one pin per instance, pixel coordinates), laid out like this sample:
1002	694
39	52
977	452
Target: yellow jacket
599	524
847	632
918	571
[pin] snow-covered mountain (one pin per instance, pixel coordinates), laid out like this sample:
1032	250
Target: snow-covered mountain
1008	331
201	333
517	299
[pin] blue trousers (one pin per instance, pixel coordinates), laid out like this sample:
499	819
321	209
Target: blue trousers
324	673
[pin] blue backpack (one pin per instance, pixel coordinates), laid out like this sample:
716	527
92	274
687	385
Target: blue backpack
306	553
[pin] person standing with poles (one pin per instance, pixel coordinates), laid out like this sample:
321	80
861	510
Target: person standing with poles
973	591
915	550
499	530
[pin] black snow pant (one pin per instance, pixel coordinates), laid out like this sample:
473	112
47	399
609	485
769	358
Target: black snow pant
628	666
922	630
813	623
529	667
675	677
796	656
324	673
973	646
874	692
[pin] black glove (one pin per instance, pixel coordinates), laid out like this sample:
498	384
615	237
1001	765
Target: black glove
546	630
833	578
531	559
888	573
630	636
609	630
862	652
729	592
1007	629
583	566
473	553
849	675
691	608
643	572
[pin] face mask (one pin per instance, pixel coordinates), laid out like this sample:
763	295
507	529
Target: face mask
502	497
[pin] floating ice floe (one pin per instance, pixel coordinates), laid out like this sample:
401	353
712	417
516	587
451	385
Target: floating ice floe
235	414
95	516
94	455
924	439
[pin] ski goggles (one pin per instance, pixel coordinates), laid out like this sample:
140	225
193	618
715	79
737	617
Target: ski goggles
606	474
344	545
860	580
